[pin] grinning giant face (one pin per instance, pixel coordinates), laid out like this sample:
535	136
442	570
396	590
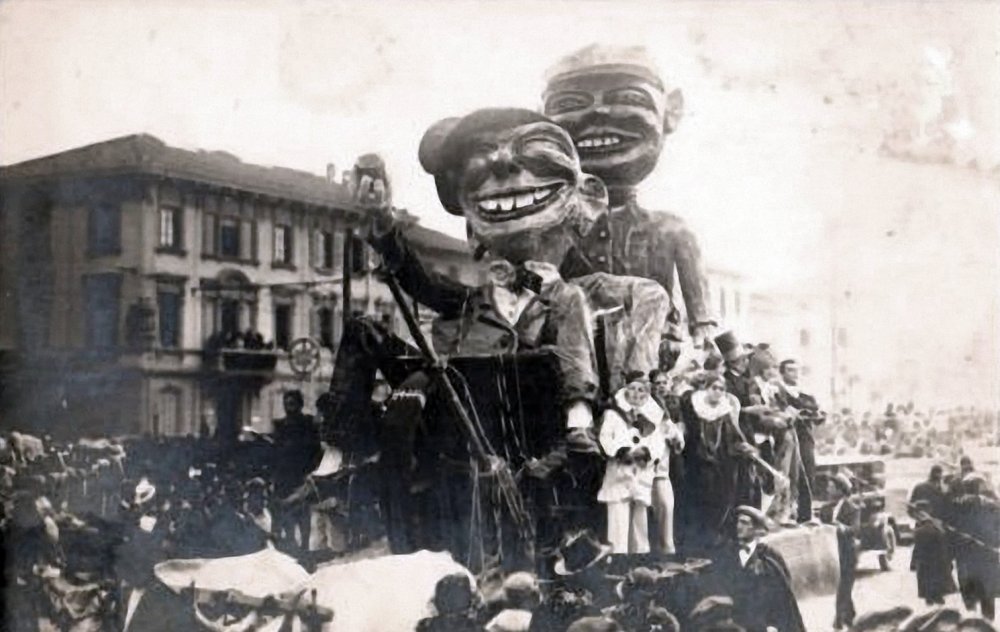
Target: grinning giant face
518	179
617	122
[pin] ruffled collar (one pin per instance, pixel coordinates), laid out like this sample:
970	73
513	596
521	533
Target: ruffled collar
649	411
705	410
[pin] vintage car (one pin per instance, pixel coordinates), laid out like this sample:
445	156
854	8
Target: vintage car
879	528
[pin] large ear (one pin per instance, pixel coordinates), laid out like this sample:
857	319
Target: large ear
594	189
593	201
430	154
674	111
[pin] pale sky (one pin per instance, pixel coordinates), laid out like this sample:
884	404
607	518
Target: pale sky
861	134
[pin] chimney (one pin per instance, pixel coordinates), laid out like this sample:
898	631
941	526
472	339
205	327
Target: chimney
331	173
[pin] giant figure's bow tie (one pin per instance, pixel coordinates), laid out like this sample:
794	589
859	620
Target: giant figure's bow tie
515	278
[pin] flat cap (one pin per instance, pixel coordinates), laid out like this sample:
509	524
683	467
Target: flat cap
604	59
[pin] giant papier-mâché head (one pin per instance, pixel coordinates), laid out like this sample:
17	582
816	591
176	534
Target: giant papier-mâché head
516	178
615	105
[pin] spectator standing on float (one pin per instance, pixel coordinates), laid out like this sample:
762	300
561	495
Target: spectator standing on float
666	471
809	416
297	453
842	512
632	438
715	446
738	383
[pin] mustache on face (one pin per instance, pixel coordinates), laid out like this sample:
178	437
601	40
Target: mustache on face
539	166
630	123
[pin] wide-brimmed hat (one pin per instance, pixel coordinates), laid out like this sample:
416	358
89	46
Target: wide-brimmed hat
976	623
710	611
930	620
730	347
638	580
594	624
881	618
578	552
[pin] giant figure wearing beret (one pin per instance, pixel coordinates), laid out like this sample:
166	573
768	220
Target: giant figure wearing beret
614	103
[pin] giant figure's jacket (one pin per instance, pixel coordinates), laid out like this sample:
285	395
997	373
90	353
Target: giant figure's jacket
636	242
470	324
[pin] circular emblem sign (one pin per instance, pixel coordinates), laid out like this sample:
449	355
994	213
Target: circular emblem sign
303	356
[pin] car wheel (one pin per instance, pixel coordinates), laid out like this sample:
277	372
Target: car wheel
885	559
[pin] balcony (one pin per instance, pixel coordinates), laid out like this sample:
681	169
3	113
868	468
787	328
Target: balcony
240	353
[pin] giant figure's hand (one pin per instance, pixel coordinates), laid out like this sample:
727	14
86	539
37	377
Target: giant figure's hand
372	194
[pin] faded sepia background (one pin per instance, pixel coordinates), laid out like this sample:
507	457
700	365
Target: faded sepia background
839	161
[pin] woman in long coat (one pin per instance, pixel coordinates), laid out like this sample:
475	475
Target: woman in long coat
713	447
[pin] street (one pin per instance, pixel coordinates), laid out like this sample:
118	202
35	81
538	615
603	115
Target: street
874	590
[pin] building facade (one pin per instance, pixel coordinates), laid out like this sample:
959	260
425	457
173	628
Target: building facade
150	289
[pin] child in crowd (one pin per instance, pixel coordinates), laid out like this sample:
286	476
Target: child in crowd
632	438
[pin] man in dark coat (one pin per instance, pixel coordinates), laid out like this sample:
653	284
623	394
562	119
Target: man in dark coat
842	512
976	519
297	453
931	558
809	416
757	578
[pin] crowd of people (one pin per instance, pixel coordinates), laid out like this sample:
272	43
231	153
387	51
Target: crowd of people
908	432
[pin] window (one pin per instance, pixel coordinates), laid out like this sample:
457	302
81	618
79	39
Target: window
841	337
325	317
104	230
359	256
229	238
722	302
168	304
804	338
283	244
102	299
282	325
736	298
170	228
167	417
326	250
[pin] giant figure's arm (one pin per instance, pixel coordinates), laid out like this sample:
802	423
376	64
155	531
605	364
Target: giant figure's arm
444	295
690	270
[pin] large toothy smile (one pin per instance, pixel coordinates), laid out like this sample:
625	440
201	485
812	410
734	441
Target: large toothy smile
605	142
507	204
